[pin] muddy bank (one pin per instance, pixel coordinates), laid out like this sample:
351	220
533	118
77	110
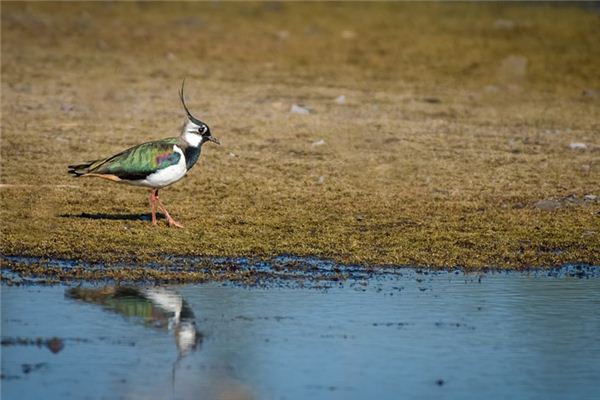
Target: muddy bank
290	271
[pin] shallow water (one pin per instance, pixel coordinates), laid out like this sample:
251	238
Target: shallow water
388	336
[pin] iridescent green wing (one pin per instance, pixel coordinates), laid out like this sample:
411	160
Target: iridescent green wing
140	161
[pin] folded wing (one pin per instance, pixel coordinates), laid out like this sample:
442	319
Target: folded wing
132	164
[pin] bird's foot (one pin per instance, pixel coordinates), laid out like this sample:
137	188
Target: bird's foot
173	223
156	203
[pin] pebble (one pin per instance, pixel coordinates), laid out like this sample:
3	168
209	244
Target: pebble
321	179
348	35
578	146
55	345
340	99
505	24
66	107
548	205
283	35
102	45
591	93
590	197
515	66
28	368
190	22
492	89
299	109
319	142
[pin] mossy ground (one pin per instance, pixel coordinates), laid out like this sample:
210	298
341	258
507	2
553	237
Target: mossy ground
437	158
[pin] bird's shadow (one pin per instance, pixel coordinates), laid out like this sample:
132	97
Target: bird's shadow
114	217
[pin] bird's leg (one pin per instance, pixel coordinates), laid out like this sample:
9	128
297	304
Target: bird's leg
170	220
153	198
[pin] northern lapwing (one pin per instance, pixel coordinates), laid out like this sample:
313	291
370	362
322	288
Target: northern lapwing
156	164
156	307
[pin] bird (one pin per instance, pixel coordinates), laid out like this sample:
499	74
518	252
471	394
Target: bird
156	307
156	164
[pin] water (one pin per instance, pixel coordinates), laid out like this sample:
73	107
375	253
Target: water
410	335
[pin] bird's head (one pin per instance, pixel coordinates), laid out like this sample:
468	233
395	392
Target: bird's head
195	132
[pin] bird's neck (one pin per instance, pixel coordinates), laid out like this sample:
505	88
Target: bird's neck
191	153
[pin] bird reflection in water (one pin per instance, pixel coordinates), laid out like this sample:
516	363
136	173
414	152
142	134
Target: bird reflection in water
157	307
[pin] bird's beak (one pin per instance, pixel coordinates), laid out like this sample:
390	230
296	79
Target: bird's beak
214	140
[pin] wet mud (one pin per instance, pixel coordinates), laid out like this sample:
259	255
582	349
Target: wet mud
277	271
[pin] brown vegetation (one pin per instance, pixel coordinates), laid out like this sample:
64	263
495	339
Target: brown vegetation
457	122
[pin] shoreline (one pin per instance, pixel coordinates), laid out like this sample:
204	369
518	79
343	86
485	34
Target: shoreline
241	270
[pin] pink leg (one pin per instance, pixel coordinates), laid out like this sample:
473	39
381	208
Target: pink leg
153	198
170	220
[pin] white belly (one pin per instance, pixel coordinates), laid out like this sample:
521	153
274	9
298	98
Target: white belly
166	176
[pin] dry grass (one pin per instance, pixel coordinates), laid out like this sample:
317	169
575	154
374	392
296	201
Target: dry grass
437	158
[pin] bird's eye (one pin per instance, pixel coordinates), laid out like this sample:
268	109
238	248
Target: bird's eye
202	130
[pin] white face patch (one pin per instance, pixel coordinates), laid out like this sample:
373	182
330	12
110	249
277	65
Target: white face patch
193	139
190	133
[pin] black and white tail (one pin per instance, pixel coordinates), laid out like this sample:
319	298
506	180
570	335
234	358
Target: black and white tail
82	169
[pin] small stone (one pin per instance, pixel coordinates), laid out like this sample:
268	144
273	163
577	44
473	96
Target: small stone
548	205
511	87
321	180
491	89
590	197
28	368
66	107
299	109
348	34
340	99
432	100
283	35
591	93
578	146
190	22
102	45
514	66
504	24
55	345
232	155
319	142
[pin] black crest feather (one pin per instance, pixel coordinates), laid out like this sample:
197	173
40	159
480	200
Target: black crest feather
187	111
